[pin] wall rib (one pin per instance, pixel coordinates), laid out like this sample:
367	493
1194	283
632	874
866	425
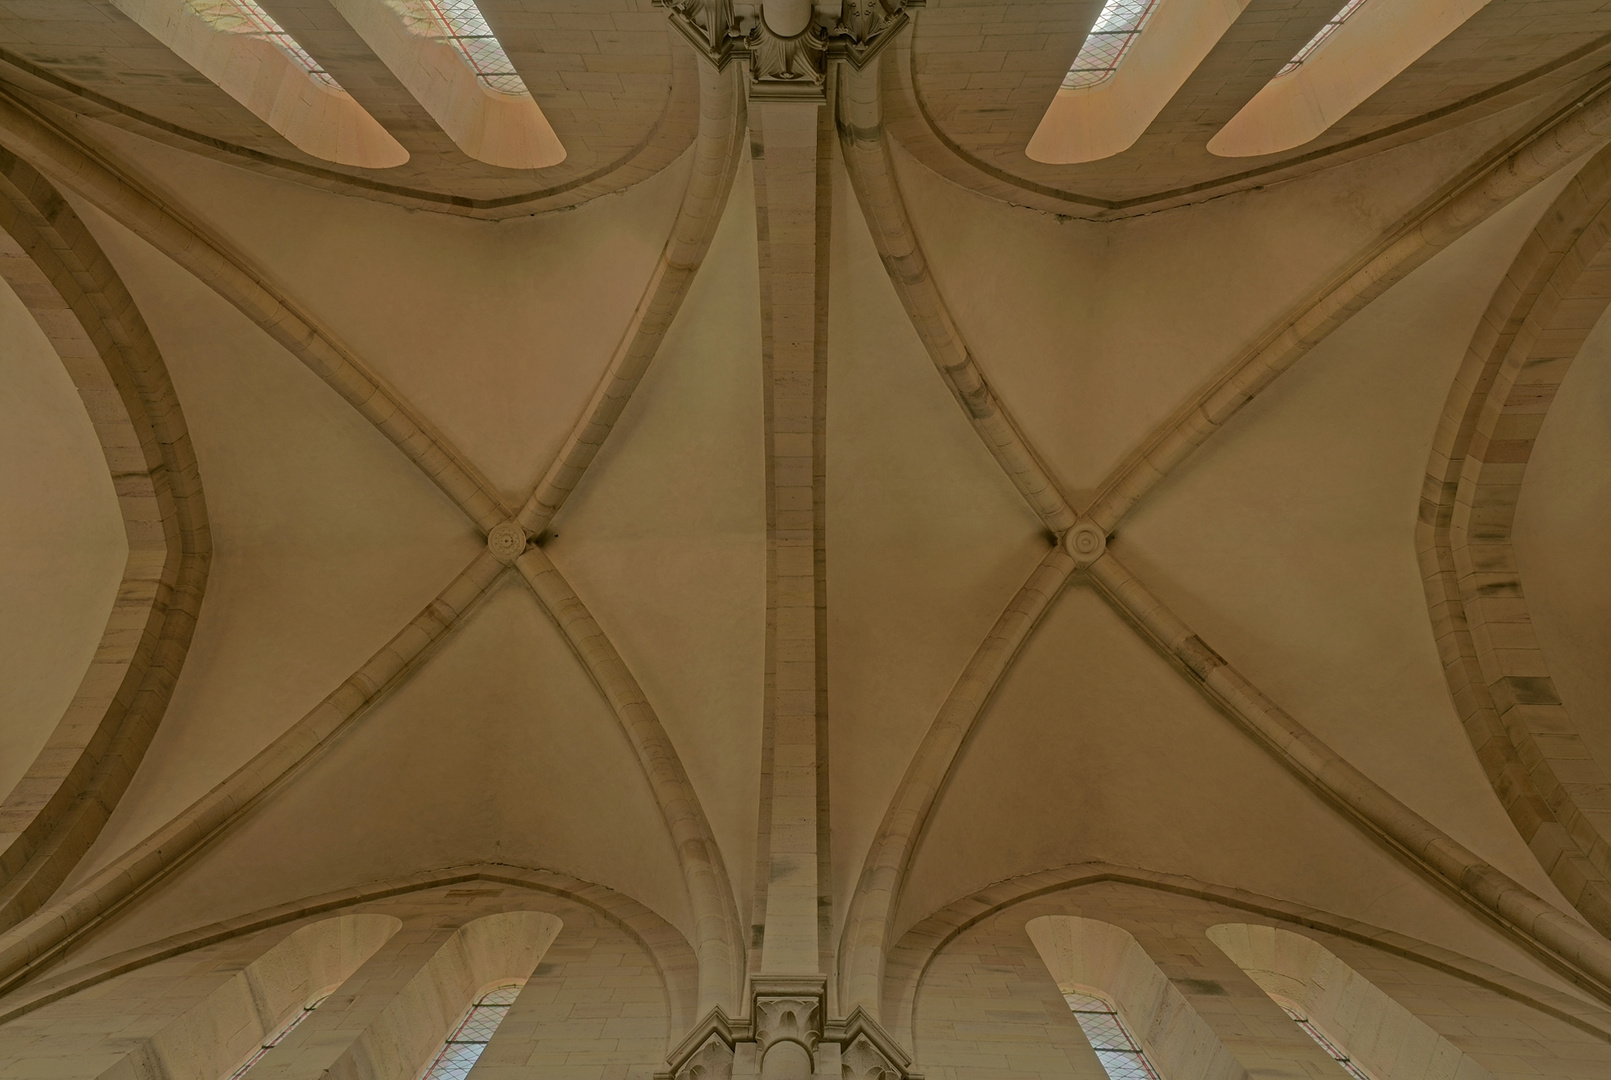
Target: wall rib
47	932
61	803
232	276
1542	311
1565	944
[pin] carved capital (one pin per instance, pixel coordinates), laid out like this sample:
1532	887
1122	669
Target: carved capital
712	1061
861	1060
791	1018
788	68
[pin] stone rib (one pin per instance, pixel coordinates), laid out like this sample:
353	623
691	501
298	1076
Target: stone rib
63	800
716	155
1566	944
1581	129
872	906
861	134
231	275
46	933
1526	741
718	941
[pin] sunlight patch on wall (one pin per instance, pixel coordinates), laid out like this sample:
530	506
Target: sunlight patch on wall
241	49
1101	111
1361	50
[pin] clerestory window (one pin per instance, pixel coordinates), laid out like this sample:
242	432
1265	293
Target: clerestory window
1116	29
1325	1044
1320	37
248	17
468	31
278	1037
1114	1046
464	1046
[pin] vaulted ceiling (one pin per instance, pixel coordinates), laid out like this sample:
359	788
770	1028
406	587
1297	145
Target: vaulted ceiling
1263	387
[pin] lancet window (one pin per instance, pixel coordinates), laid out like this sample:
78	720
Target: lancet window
1114	1046
1320	37
248	17
470	33
464	1046
1325	1044
1116	29
278	1037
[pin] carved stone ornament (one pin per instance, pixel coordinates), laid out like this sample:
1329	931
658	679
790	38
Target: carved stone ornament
1085	542
784	63
861	1060
788	67
795	1018
506	541
712	1061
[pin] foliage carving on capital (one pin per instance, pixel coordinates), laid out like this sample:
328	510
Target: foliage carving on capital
788	67
712	1061
791	1018
861	1060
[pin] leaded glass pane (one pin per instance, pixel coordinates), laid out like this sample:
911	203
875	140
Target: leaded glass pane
1125	1065
468	30
1320	37
1326	1044
248	17
1106	1033
1115	30
455	1060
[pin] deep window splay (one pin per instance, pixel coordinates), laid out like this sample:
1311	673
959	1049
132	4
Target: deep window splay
1114	1047
463	1048
275	1039
1320	37
248	17
1116	29
467	29
1325	1044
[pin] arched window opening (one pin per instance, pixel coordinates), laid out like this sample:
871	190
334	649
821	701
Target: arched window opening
278	1037
248	17
1116	29
1115	1048
468	31
1320	38
1325	1044
464	1046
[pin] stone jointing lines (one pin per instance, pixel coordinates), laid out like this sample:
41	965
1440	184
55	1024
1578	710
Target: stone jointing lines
719	945
64	798
1555	291
1560	941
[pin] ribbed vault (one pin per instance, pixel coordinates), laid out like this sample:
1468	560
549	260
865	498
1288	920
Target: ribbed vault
847	540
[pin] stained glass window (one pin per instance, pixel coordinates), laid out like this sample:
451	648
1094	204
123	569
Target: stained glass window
1326	1044
248	17
1320	37
467	29
464	1046
274	1040
1114	1047
1116	29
